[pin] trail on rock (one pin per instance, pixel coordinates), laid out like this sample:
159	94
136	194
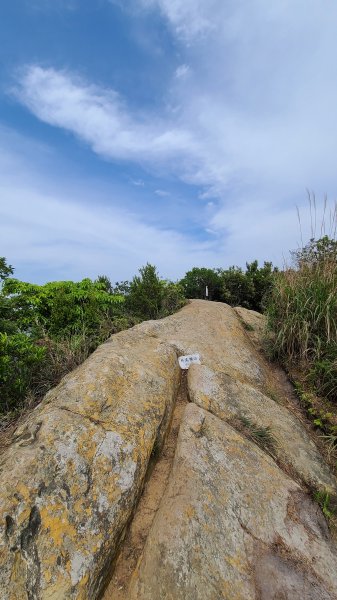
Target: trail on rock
147	508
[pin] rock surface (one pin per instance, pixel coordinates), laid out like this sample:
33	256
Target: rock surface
71	479
232	524
229	400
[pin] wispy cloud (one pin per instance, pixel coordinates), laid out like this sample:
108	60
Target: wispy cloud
182	71
189	17
45	228
162	193
254	120
99	117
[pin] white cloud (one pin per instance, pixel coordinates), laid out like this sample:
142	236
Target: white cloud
182	71
99	117
162	193
188	17
254	122
48	232
137	182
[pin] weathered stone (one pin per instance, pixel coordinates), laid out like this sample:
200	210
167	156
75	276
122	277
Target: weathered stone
230	518
71	479
229	399
213	330
232	526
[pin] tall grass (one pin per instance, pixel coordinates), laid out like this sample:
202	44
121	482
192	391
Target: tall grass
302	312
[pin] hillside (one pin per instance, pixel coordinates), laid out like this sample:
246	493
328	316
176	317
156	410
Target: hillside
135	480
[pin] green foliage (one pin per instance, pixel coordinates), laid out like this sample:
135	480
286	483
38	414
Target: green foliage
323	498
249	288
233	286
262	436
47	330
5	270
61	307
105	282
6	316
195	281
238	290
302	311
172	298
144	298
20	360
149	297
122	288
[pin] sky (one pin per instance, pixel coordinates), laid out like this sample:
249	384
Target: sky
177	132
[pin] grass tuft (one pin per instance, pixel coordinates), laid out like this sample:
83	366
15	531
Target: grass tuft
262	436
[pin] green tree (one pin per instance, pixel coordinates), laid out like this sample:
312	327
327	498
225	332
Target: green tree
5	270
261	280
61	308
249	288
145	295
238	289
195	281
172	298
149	297
105	282
6	314
20	361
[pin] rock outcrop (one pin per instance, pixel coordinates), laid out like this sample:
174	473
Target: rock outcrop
236	520
233	526
71	479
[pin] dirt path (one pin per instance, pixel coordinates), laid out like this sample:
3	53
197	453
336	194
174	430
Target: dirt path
148	505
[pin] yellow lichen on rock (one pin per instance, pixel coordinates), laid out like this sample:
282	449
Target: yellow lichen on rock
67	495
231	519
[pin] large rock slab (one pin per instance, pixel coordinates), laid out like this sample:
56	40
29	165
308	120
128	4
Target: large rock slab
214	331
231	400
233	526
71	479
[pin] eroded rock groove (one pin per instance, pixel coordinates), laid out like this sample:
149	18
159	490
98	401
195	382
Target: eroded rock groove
154	489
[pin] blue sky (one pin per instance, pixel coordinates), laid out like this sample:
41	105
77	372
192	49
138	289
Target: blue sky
179	132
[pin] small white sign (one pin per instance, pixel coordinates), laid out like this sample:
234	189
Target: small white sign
190	359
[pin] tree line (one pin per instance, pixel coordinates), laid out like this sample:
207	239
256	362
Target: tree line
47	330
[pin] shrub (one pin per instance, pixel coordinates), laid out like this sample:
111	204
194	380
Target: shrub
172	298
20	361
302	312
150	297
250	288
61	308
238	290
233	286
145	294
195	281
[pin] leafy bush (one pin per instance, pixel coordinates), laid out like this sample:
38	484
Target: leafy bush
195	281
150	297
47	330
250	288
302	312
145	294
233	286
61	307
238	290
20	360
172	298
